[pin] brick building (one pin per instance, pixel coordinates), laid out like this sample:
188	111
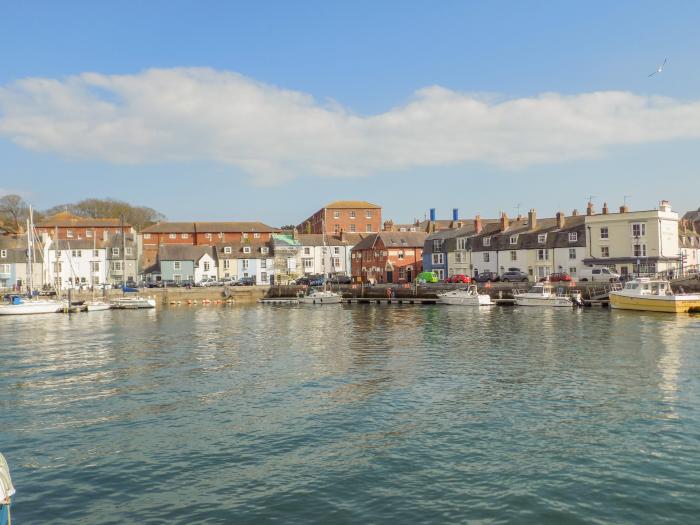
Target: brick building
344	216
388	257
71	227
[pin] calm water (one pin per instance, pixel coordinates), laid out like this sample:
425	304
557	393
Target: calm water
353	414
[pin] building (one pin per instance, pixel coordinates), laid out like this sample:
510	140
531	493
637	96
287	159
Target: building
344	216
66	226
334	260
633	241
689	243
185	263
13	264
388	257
247	259
122	259
287	257
76	264
693	217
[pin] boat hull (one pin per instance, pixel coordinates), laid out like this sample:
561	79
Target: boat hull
98	307
31	308
133	303
321	298
669	304
465	300
554	302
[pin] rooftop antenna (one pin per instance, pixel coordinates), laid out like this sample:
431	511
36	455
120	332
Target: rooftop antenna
624	199
591	197
517	209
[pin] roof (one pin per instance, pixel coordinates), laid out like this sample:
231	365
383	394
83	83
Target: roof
351	204
16	246
210	227
316	239
237	250
175	252
65	219
393	240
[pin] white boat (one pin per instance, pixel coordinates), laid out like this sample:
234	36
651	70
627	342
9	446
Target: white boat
19	306
653	295
321	297
543	294
465	296
97	306
133	303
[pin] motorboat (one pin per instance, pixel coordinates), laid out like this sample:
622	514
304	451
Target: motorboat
543	294
321	297
21	306
653	295
97	306
133	303
466	297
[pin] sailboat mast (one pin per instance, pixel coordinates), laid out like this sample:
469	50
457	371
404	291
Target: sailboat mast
121	220
30	269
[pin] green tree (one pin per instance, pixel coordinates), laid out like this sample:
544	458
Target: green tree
137	216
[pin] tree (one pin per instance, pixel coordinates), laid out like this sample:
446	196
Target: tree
137	216
13	212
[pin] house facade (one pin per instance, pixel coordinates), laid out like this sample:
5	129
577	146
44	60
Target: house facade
286	250
344	216
68	227
334	259
247	259
186	263
14	267
76	263
388	257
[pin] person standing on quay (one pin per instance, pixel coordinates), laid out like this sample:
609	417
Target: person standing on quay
7	490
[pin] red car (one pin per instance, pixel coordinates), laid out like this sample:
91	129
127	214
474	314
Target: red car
459	278
561	276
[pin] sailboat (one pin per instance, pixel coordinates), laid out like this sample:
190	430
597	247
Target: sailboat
132	302
20	305
324	296
95	305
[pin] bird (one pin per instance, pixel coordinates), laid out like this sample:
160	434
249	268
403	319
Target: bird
659	69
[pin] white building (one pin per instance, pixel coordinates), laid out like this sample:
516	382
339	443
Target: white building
75	264
336	257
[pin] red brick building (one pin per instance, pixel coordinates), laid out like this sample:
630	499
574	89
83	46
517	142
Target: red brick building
388	257
71	227
344	216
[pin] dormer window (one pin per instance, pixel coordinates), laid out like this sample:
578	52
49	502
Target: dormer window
227	249
487	241
541	238
246	249
514	239
264	249
573	236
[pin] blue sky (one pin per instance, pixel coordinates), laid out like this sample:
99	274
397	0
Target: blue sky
355	121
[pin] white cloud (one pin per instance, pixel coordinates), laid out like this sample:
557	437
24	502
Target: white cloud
171	115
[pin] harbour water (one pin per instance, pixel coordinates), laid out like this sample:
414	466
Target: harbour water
352	414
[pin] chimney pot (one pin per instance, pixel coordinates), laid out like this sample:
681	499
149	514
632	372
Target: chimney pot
605	208
574	213
560	220
477	224
624	208
589	209
504	222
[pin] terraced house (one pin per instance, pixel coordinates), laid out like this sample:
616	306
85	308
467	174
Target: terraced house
13	263
246	259
388	257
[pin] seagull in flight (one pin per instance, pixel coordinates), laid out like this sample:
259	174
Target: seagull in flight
659	69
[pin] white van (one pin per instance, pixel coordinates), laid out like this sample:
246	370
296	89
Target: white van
598	273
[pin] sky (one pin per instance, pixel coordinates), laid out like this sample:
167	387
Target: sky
269	110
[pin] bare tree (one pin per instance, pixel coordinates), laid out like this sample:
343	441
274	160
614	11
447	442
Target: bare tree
13	212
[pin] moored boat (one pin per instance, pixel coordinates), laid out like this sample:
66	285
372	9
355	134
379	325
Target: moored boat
21	306
97	306
321	297
653	295
133	303
466	297
543	294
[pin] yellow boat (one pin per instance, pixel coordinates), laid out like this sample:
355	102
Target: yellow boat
653	295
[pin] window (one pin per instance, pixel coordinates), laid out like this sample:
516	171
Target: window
400	256
146	235
263	277
639	229
227	264
487	258
514	239
604	232
4	268
458	257
117	266
513	255
573	236
263	263
352	214
177	277
335	262
487	241
177	265
264	249
336	229
128	250
542	255
352	228
173	235
640	250
256	236
184	235
605	251
437	245
76	253
440	273
368	229
308	263
438	258
207	236
336	250
307	250
368	214
115	251
246	249
572	253
94	267
227	249
462	243
245	235
69	234
206	266
572	271
88	234
95	253
221	235
541	238
245	264
3	253
58	254
336	214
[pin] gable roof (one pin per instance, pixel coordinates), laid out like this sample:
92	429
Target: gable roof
351	204
66	219
393	240
237	250
176	252
210	227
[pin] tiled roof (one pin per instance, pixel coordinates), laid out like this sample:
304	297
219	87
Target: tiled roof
237	250
175	252
393	240
351	204
210	227
16	247
68	220
170	227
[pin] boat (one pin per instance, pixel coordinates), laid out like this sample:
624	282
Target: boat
19	305
466	297
324	296
133	303
653	295
97	306
543	294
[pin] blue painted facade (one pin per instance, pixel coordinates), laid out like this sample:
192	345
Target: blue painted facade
168	270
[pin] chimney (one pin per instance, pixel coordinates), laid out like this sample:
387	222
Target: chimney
574	213
477	225
560	220
295	234
605	208
388	225
532	219
624	208
664	205
504	221
455	214
589	209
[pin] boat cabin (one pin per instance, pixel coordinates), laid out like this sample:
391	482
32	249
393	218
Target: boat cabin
645	286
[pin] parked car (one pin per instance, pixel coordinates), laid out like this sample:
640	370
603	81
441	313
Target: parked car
486	276
227	281
302	281
427	277
341	279
514	275
559	276
598	273
209	281
154	284
168	283
317	280
458	278
245	281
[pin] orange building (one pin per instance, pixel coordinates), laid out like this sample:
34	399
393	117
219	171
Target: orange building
388	257
67	226
344	216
